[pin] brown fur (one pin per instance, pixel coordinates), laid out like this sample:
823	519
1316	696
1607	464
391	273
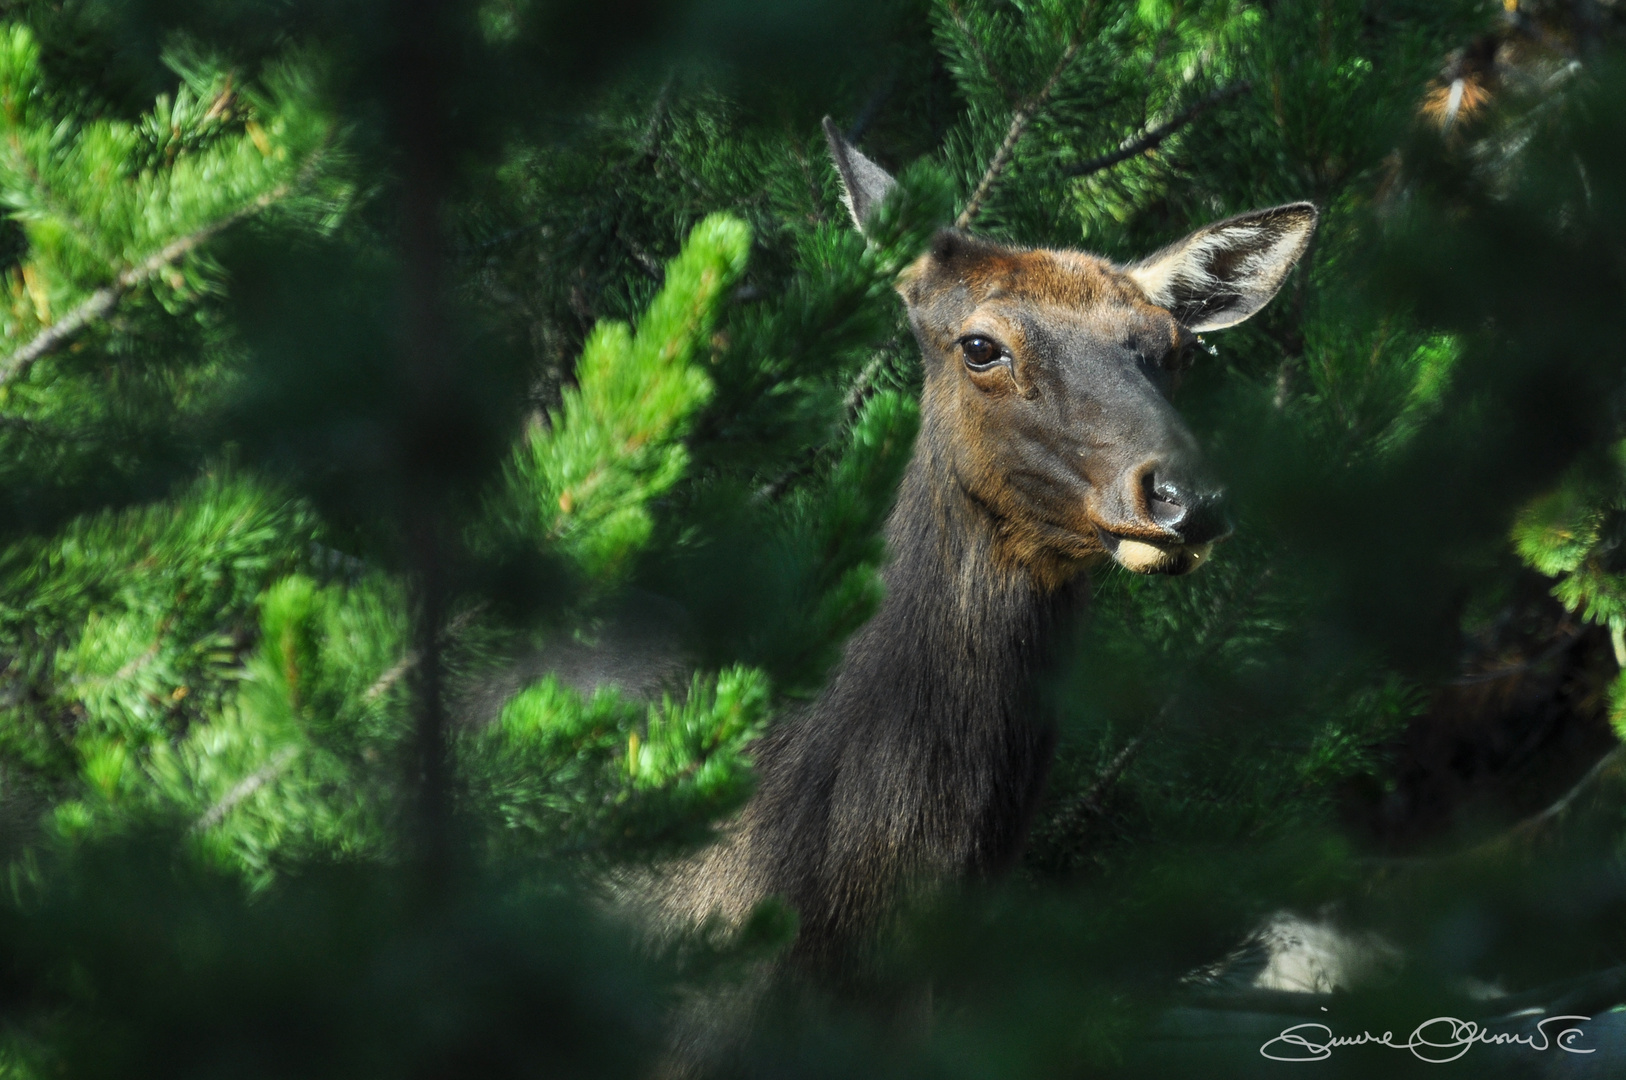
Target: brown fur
997	290
924	757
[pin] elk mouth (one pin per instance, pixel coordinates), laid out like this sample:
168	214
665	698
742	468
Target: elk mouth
1155	557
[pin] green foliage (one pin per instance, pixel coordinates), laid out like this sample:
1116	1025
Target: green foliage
107	202
400	994
126	631
615	442
838	526
270	510
291	768
1571	529
619	775
280	751
1574	533
117	215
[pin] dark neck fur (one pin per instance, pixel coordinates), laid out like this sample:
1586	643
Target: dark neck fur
923	759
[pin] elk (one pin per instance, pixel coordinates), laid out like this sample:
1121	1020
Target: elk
1047	443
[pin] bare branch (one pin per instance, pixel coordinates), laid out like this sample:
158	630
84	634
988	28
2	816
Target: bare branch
1019	124
1150	138
1608	767
646	262
391	676
649	144
1527	832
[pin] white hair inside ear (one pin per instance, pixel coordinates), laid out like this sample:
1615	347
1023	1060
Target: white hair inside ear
1223	273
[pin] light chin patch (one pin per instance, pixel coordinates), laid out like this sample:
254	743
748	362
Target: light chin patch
1144	558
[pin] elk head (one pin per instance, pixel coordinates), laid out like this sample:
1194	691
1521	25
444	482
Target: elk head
1048	375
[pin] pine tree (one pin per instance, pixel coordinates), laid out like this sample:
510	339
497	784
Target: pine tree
333	402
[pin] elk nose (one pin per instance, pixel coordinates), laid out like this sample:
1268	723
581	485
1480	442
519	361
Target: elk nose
1194	512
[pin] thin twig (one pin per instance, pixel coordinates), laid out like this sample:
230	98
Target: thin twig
646	262
38	430
649	144
1524	830
500	239
1497	674
100	303
1019	124
130	667
1531	825
1150	138
1108	777
245	787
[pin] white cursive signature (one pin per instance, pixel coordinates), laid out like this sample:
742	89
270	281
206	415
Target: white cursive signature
1442	1039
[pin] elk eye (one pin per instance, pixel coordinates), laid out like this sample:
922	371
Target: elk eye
981	353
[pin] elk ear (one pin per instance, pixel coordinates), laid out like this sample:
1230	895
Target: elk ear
1222	273
864	184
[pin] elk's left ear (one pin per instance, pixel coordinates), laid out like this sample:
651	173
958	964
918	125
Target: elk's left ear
864	184
1222	273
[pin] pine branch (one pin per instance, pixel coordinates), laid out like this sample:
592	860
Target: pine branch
1092	802
411	657
245	787
862	389
974	43
61	208
99	304
1150	138
391	676
1019	124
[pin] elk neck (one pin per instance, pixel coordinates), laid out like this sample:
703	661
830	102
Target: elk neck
963	630
924	758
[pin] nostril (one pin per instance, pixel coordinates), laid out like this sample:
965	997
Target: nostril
1165	503
1167	492
1189	509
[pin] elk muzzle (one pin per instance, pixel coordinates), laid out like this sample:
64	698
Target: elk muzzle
1173	525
